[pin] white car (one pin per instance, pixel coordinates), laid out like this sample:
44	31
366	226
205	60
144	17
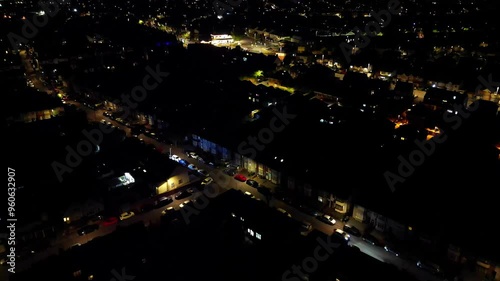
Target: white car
207	181
184	203
126	215
175	158
343	234
192	155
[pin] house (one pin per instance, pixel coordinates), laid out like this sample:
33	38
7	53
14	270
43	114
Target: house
165	174
259	222
439	98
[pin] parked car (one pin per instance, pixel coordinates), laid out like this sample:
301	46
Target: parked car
191	154
344	235
192	167
207	181
253	183
390	248
352	230
284	212
306	226
309	211
183	204
109	221
167	211
371	239
126	215
183	162
429	266
88	229
327	219
240	177
203	172
230	172
183	194
163	201
175	158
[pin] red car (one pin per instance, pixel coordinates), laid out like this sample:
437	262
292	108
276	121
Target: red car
240	177
109	221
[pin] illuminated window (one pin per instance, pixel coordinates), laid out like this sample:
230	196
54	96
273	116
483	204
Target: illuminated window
339	207
258	236
251	232
320	199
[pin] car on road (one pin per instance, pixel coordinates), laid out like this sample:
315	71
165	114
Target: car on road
230	172
203	172
240	177
175	158
326	219
352	230
88	229
183	194
183	204
163	201
192	154
192	167
109	221
253	183
393	249
371	239
126	215
167	211
207	181
308	211
306	226
344	235
183	162
284	212
429	266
